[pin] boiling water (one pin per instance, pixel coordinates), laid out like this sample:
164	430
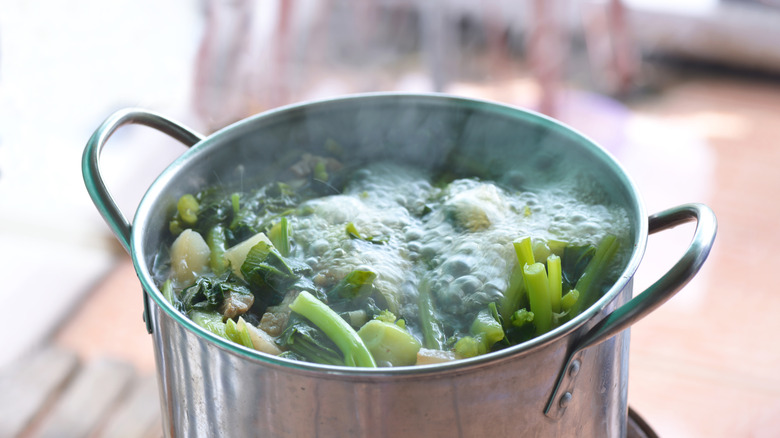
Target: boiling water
457	237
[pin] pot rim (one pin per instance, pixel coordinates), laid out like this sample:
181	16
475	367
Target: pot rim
513	112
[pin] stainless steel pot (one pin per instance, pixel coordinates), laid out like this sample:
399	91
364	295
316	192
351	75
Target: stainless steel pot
570	381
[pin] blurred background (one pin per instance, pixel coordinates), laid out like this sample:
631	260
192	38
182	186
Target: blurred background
685	94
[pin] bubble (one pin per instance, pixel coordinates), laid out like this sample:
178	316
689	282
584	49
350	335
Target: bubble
468	247
348	245
467	285
412	234
429	251
414	247
457	266
319	247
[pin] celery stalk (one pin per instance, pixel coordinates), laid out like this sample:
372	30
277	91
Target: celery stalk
536	284
514	292
513	295
555	281
524	250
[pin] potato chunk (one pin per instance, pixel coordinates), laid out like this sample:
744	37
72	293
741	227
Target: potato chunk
189	256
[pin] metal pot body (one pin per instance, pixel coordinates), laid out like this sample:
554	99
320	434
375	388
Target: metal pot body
209	391
570	381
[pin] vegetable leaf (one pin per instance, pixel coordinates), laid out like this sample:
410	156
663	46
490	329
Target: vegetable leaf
302	339
208	293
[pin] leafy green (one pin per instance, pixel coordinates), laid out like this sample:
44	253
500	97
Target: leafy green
573	263
353	233
590	283
335	328
208	293
269	273
357	285
302	339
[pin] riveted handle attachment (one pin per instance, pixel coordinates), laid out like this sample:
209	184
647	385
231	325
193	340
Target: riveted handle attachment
649	300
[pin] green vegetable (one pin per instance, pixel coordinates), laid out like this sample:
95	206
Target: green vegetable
555	281
389	343
235	202
269	273
175	226
353	233
320	171
339	331
589	284
524	251
169	294
486	331
387	316
433	335
358	284
188	209
487	328
279	235
215	239
515	292
573	263
208	293
211	321
537	285
468	346
304	341
522	317
569	300
238	333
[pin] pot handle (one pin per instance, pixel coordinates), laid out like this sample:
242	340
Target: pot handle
90	166
649	300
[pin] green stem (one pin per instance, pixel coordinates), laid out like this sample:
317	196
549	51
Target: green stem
595	273
513	295
433	336
569	300
525	251
335	327
536	284
555	281
215	239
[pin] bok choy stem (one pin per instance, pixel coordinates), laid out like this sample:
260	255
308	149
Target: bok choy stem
539	296
555	281
335	328
433	336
